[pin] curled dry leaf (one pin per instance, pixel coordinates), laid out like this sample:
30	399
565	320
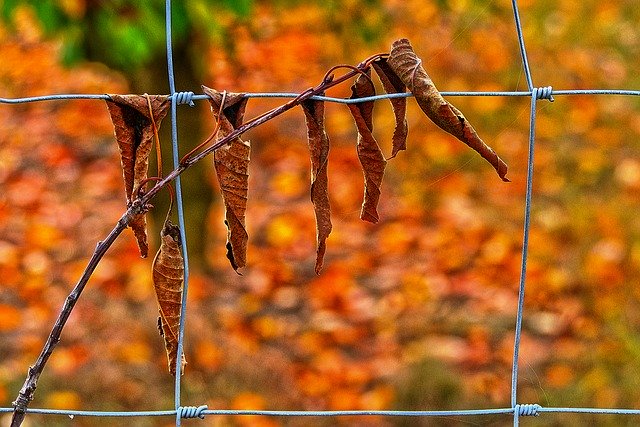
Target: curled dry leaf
319	151
369	153
168	276
134	131
404	63
393	84
232	168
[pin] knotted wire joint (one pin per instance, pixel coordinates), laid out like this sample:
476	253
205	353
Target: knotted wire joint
192	411
184	98
528	410
544	93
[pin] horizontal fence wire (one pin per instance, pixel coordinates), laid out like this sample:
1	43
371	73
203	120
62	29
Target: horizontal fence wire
270	413
70	96
533	409
516	410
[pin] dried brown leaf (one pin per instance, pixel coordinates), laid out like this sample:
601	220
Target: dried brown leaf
369	153
404	63
232	168
138	224
318	141
134	133
168	277
393	84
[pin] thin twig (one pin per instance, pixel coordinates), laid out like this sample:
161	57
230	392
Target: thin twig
29	387
139	205
329	76
140	190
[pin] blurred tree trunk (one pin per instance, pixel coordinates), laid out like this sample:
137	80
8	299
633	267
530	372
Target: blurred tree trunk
196	193
153	79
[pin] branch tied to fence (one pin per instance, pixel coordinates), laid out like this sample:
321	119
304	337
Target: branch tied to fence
136	120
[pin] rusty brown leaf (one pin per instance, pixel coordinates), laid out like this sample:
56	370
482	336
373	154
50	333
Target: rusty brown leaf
369	153
393	84
232	168
318	141
168	277
134	132
404	63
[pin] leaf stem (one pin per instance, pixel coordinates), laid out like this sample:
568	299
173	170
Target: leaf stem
155	133
213	134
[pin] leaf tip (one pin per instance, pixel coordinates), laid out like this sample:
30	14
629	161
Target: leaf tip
501	168
400	42
369	217
232	258
322	247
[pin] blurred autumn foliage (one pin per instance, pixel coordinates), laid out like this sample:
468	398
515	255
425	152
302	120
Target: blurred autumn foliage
416	312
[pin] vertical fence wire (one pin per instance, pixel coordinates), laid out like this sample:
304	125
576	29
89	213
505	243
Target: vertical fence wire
527	214
523	50
525	251
179	204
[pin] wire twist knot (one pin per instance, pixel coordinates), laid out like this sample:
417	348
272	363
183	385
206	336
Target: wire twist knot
184	98
544	93
192	411
528	409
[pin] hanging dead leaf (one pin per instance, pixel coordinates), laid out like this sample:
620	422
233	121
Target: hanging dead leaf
168	277
134	132
318	141
393	84
404	63
232	168
369	153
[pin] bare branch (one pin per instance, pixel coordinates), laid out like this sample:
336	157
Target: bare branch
138	206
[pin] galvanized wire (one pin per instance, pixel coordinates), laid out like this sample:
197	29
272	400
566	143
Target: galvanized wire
291	95
175	99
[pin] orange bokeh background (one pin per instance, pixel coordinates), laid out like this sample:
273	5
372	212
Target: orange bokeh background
416	312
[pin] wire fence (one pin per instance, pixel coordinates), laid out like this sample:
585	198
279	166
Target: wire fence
516	410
